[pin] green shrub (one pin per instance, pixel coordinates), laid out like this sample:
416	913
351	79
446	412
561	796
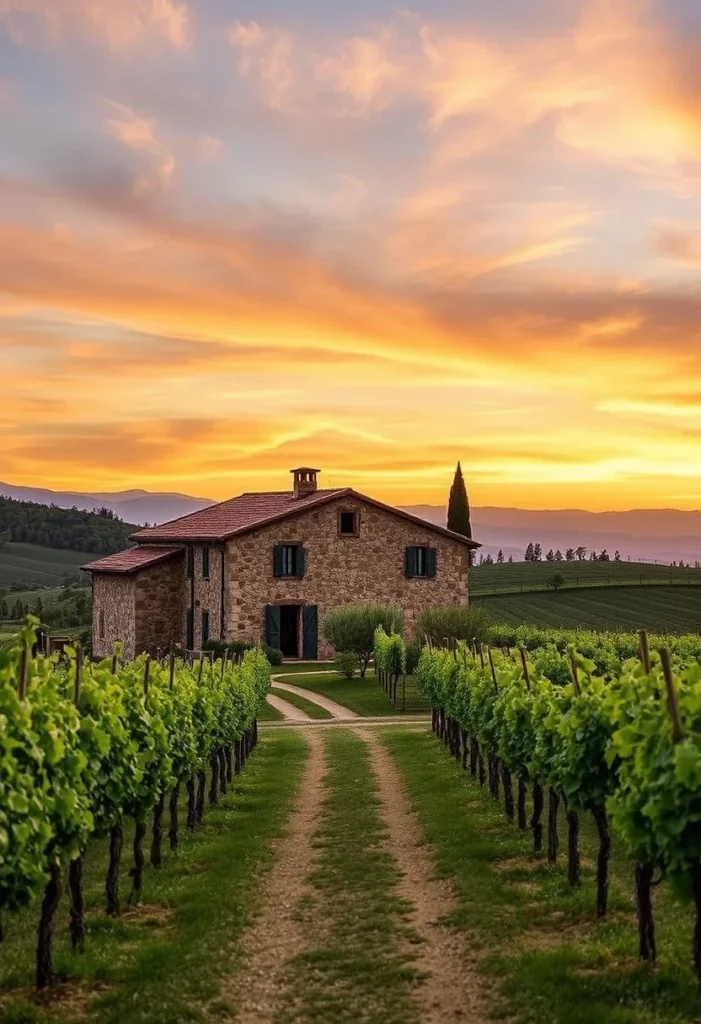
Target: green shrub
352	628
346	664
273	655
413	653
458	622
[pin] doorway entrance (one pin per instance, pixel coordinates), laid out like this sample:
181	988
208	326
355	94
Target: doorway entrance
289	630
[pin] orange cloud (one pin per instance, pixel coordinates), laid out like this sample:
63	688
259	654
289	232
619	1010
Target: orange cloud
119	26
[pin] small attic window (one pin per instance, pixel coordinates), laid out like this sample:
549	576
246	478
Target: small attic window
348	524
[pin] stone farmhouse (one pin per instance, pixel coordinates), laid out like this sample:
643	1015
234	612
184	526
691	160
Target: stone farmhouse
266	567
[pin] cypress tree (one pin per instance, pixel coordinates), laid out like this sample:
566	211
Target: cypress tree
459	506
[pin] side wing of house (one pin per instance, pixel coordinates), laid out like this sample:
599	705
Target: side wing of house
139	600
344	552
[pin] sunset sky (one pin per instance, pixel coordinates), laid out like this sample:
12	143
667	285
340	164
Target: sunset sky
240	235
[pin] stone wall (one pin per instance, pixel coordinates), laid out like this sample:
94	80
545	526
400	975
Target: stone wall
114	598
207	593
160	606
339	570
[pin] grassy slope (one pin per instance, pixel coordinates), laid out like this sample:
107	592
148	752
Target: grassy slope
540	939
33	564
162	963
364	696
513	577
311	709
672	609
356	972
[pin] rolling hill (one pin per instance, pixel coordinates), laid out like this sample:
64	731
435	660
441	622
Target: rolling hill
660	609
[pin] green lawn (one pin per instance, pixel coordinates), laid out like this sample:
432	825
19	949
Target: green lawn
267	713
313	710
525	576
30	563
547	958
356	969
674	609
364	696
297	667
161	963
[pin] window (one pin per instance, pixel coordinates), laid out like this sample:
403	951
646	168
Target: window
348	524
288	560
101	624
420	562
205	563
205	627
190	563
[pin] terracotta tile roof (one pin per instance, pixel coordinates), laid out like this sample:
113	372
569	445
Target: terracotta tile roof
238	515
133	559
248	512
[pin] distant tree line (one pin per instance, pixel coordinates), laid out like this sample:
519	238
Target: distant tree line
71	607
69	529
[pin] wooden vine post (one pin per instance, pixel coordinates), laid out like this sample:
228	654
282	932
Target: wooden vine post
75	869
644	873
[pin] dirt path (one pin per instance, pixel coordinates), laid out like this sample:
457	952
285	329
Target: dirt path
257	991
452	991
289	711
337	710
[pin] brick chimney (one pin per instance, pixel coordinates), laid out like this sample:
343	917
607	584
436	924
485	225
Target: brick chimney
305	481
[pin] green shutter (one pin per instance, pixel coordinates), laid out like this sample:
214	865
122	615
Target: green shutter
301	561
431	560
411	562
277	560
272	625
310	637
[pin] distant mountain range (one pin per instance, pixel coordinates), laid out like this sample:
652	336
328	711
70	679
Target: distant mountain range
663	535
132	506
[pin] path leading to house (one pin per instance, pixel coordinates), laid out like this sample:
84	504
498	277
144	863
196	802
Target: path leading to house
452	990
335	709
291	714
353	919
258	992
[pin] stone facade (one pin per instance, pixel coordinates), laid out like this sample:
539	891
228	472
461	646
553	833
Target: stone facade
114	614
159	605
206	594
148	610
339	570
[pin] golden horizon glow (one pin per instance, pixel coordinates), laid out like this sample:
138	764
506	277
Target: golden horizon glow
376	242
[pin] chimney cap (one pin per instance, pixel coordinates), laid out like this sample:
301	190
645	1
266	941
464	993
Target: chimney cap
305	469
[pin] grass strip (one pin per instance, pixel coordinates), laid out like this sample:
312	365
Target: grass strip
363	696
267	713
556	963
160	963
312	709
356	971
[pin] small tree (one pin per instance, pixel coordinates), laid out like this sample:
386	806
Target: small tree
511	559
593	557
604	556
558	556
352	628
617	556
500	557
537	553
569	555
556	581
488	560
528	557
458	622
581	553
550	557
459	506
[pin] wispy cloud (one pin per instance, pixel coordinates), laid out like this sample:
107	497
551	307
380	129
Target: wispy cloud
119	25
